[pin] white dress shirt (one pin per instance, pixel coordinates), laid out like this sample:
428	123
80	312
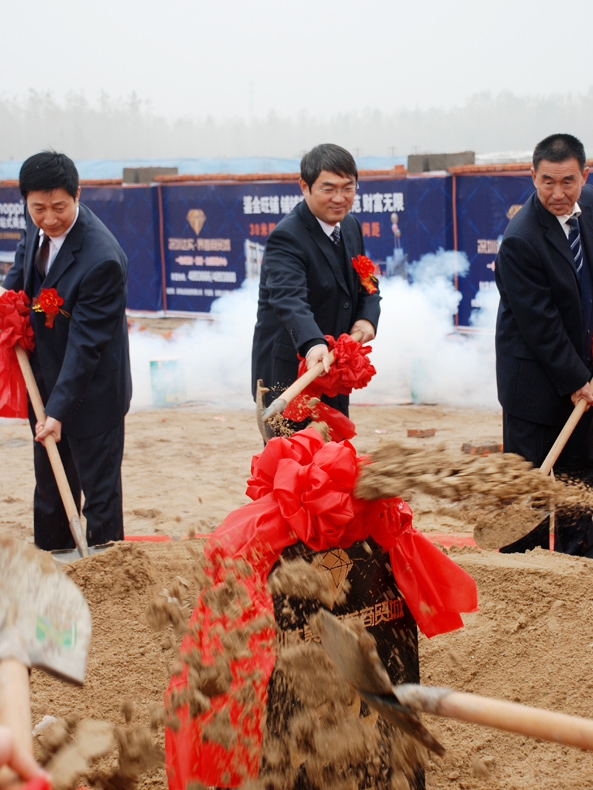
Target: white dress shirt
563	220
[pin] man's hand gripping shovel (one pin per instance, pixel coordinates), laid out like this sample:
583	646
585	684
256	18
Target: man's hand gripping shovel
502	531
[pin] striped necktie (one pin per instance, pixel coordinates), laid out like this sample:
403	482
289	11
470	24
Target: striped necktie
335	236
574	239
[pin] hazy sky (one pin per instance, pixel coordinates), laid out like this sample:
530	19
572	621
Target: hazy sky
247	57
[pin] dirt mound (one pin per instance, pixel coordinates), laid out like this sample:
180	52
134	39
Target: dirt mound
530	643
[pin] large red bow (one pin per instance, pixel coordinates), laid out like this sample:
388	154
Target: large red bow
302	489
350	370
15	327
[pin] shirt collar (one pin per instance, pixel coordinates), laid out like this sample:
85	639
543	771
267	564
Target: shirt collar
326	227
576	212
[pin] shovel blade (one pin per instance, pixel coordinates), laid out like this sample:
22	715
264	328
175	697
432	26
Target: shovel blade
355	656
45	608
404	718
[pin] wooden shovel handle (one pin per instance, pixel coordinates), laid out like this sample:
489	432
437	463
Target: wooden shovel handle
53	453
512	717
564	435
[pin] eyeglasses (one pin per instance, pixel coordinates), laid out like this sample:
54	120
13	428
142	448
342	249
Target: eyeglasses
331	191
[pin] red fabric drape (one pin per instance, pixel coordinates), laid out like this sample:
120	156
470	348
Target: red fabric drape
339	426
15	327
302	489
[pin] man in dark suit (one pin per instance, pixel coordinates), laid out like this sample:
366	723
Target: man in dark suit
544	273
308	286
81	358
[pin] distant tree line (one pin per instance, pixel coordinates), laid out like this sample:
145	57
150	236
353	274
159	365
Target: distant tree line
123	128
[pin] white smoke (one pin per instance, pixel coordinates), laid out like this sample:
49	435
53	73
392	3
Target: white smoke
418	354
212	357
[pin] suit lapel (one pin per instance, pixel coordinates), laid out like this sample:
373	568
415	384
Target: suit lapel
30	250
350	239
324	244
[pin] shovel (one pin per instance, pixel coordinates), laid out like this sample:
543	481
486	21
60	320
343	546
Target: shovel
504	530
44	622
355	657
54	455
278	405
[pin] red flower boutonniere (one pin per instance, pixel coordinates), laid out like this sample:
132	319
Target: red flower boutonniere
366	271
49	302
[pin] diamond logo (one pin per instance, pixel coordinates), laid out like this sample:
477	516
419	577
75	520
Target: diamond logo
196	218
337	563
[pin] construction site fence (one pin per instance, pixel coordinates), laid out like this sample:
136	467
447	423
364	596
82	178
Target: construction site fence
192	239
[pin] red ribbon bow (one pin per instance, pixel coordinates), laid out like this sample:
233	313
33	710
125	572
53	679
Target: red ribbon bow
366	271
49	302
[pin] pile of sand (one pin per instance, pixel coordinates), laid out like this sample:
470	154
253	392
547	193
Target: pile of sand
185	469
531	642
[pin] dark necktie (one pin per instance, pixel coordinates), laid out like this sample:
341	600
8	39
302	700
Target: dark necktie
574	239
336	236
42	256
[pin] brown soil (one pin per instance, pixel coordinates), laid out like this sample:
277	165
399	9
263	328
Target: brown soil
184	470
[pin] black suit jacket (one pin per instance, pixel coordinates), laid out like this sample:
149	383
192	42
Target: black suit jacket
540	351
83	360
304	294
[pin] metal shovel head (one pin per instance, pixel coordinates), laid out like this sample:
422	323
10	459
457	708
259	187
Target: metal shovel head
69	555
354	654
45	609
392	710
508	524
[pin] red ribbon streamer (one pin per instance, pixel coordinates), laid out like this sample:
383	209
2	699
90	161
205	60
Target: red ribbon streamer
302	490
339	426
15	327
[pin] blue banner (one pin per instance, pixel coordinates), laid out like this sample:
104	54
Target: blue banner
12	225
485	204
189	243
214	234
131	214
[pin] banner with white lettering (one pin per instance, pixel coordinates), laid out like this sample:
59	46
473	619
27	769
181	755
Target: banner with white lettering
485	205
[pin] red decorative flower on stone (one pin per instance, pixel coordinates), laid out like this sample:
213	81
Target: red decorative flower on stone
49	302
366	271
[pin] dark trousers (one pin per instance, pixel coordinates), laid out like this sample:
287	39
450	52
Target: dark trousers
93	467
573	528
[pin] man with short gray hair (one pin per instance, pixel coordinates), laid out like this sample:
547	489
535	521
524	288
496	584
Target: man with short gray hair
544	273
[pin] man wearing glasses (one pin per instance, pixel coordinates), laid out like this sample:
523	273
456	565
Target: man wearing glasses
308	286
